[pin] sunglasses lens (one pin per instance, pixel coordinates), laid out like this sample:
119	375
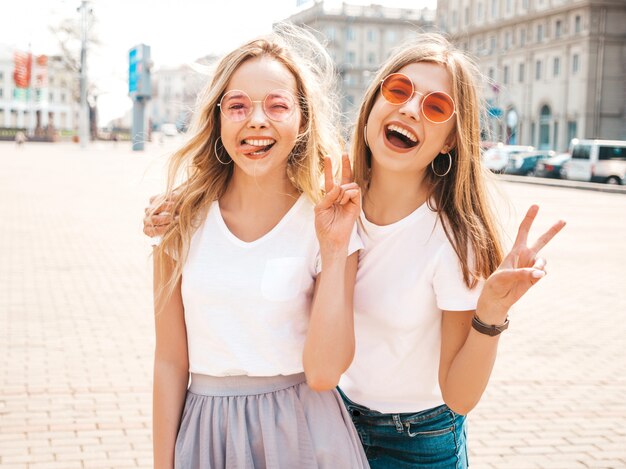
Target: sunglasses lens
236	105
279	105
397	88
438	107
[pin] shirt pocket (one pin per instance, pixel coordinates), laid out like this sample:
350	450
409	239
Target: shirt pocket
283	278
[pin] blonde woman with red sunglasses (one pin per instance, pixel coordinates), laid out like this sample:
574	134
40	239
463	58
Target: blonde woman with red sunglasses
433	288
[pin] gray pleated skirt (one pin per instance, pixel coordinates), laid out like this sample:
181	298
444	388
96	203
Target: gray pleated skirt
265	422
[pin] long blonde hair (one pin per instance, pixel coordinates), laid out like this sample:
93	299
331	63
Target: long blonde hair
204	178
460	198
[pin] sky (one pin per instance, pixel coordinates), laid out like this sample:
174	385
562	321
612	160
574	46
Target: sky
178	32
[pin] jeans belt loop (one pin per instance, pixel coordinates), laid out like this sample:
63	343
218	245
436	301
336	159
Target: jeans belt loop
398	423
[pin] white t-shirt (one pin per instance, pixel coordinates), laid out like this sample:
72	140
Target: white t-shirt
247	304
408	273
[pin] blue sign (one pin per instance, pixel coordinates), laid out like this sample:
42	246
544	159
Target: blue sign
139	64
494	112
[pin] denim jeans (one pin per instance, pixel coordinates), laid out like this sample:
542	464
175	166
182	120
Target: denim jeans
433	438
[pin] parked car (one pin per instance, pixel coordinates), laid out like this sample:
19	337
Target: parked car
523	164
551	167
497	157
597	161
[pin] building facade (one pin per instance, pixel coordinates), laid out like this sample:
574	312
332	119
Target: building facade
48	106
359	38
555	68
174	92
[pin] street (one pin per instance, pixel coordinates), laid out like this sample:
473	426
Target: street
76	329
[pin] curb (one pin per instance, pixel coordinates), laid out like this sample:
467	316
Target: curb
586	186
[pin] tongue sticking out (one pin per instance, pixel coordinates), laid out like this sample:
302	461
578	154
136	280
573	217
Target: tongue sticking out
399	140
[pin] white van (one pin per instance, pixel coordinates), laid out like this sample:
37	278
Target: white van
597	161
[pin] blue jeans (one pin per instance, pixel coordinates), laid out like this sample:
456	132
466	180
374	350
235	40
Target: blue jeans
433	438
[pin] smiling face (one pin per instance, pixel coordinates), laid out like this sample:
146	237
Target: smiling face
258	145
399	136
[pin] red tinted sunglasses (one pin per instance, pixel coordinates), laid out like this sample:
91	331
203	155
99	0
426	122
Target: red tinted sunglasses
437	106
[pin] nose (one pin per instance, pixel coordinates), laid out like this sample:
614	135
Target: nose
412	107
257	118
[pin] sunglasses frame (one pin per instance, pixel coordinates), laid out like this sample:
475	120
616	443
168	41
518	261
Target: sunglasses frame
424	97
289	93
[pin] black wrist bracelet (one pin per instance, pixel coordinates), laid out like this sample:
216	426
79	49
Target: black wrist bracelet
489	329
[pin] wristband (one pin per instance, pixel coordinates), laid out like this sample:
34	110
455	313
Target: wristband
489	329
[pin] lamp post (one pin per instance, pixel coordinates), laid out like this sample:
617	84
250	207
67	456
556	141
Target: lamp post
83	124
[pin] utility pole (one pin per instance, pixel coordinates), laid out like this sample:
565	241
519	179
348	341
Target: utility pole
83	125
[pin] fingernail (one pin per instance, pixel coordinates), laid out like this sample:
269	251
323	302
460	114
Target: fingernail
538	273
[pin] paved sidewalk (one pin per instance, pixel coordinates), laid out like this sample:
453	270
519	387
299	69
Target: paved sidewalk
76	333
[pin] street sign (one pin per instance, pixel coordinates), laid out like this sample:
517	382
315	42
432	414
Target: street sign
139	72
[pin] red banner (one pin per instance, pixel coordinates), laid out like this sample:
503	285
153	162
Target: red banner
23	65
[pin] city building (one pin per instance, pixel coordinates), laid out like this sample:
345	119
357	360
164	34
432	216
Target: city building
359	38
555	67
47	106
174	92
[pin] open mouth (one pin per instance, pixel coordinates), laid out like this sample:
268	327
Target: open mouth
256	147
400	137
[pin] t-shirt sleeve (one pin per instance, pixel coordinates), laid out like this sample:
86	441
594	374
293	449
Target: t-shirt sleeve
451	292
355	245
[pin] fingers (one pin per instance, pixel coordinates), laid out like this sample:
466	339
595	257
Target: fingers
346	170
160	208
547	236
330	198
329	183
524	227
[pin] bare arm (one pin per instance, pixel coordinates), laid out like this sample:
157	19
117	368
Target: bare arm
329	346
171	370
468	356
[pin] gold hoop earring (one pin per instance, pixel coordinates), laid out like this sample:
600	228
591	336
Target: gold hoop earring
432	166
365	136
217	156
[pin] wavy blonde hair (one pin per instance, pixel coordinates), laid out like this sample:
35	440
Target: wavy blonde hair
202	179
460	198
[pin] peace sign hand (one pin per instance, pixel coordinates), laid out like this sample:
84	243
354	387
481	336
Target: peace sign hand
337	212
520	270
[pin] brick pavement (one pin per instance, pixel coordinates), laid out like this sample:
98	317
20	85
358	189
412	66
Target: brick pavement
76	333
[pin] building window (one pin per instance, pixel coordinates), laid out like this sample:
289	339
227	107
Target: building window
555	136
575	64
62	97
572	130
577	24
505	79
491	74
520	73
538	70
1	76
492	44
508	6
494	8
507	40
1	92
391	36
371	58
467	18
557	28
522	37
330	33
454	25
350	36
350	57
371	35
50	97
556	69
539	32
545	116
479	12
525	4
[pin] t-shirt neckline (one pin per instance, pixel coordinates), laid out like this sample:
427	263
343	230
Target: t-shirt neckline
217	213
375	229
